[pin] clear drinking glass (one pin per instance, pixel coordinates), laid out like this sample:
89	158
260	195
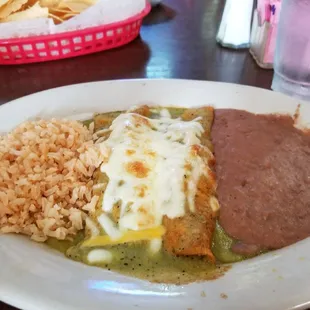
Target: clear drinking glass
292	56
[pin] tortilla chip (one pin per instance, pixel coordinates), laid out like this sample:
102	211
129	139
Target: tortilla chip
35	11
68	16
3	2
89	2
49	3
27	5
57	11
57	19
74	6
11	7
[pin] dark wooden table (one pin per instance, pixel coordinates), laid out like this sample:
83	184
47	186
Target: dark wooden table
177	41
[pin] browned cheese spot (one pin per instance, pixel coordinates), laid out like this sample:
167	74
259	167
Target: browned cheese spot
141	190
130	152
138	169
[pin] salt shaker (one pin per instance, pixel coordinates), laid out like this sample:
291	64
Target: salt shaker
234	31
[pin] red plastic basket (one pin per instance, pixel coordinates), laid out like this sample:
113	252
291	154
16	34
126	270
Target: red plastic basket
71	44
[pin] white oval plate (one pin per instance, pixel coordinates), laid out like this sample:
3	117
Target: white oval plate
37	278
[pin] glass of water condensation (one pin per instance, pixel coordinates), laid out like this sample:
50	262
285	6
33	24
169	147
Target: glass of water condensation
292	56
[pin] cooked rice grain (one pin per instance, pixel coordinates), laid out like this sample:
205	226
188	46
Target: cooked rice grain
46	170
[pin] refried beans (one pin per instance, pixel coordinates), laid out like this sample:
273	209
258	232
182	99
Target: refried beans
263	173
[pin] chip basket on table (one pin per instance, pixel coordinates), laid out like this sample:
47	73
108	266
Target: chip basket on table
71	44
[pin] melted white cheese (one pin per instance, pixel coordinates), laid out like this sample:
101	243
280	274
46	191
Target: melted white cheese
155	245
164	113
145	161
109	226
92	227
99	256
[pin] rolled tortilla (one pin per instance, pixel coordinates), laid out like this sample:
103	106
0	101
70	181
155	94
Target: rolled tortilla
192	234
